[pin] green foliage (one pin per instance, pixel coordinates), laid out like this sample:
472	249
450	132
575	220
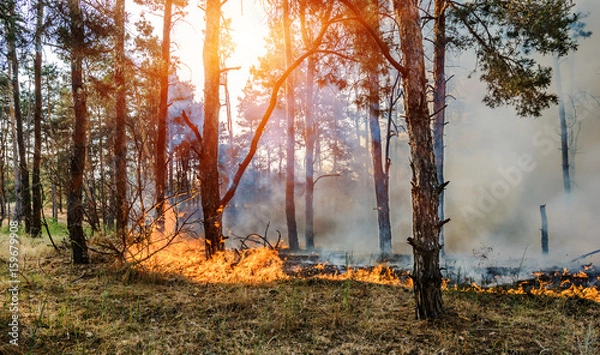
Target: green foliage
504	34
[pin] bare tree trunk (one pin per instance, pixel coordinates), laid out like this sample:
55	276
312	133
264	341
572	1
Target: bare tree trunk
17	211
310	132
36	223
439	100
379	177
161	132
209	173
564	134
311	135
23	188
75	209
290	207
544	229
120	140
427	277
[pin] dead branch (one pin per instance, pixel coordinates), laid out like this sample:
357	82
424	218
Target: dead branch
326	176
585	255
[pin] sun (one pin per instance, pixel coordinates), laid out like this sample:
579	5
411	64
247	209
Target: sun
248	30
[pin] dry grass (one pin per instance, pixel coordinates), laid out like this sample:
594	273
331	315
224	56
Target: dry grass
100	310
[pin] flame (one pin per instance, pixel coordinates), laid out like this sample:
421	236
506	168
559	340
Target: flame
187	258
565	287
380	274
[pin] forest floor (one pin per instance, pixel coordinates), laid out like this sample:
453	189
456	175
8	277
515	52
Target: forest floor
104	309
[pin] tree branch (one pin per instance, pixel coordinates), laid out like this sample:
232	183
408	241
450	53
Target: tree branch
384	48
272	103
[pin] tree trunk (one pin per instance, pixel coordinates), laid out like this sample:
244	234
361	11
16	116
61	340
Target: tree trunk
161	132
15	156
36	223
439	100
427	277
290	206
120	140
23	191
382	197
75	209
379	178
209	173
544	229
564	133
311	135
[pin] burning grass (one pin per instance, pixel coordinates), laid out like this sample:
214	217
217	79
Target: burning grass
187	258
153	309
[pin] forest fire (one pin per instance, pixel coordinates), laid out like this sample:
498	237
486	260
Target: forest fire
581	284
186	257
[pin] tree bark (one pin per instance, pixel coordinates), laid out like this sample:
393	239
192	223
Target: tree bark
75	209
23	191
439	99
120	140
290	206
427	277
209	173
36	222
161	132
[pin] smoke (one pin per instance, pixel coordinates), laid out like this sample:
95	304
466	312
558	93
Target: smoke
502	168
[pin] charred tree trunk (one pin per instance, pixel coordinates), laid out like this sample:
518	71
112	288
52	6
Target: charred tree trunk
23	191
544	229
209	173
564	133
427	277
75	209
161	131
439	100
290	206
120	140
36	183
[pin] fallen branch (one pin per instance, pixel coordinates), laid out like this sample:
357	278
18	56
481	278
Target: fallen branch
585	255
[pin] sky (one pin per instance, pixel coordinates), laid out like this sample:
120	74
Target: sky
249	27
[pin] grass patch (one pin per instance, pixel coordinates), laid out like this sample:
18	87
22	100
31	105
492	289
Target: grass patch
97	309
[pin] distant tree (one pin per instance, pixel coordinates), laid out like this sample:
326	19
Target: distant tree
13	30
290	206
36	182
566	135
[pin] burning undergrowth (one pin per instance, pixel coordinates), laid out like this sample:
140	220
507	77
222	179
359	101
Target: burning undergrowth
186	257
